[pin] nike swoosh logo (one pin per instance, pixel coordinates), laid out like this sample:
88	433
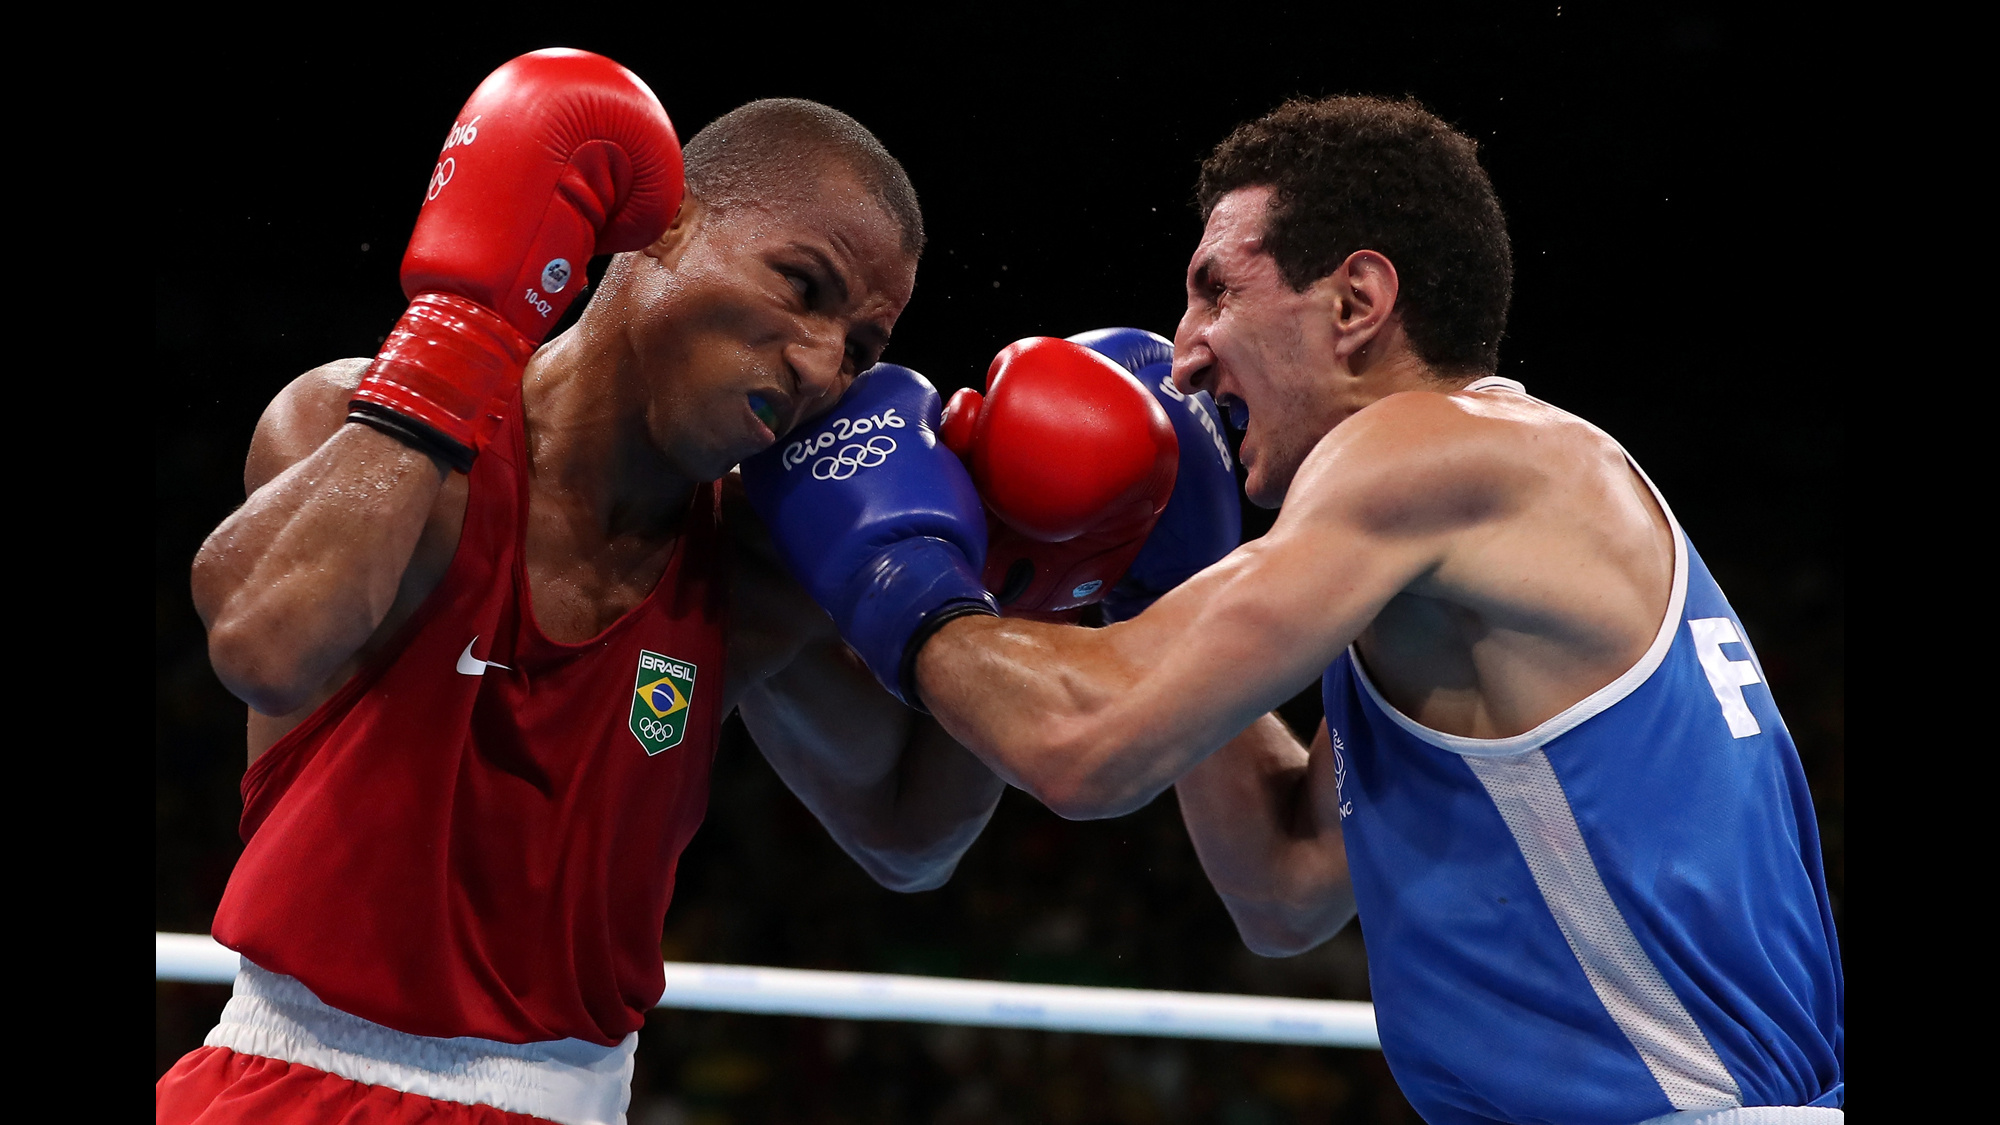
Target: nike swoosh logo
470	665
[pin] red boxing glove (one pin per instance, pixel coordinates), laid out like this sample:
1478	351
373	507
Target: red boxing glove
559	155
1075	461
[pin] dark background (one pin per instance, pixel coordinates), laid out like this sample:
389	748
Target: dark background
1661	176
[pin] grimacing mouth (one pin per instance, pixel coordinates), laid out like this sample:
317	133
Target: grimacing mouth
1234	410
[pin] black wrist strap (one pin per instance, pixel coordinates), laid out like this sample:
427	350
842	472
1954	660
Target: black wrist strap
907	675
412	433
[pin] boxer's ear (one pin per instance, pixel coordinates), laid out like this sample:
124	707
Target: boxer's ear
1359	298
673	241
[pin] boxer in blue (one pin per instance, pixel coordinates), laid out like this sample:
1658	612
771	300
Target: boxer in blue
1551	778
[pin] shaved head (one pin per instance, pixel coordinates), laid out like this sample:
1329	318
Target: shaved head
781	149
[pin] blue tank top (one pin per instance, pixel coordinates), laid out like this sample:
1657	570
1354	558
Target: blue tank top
1617	915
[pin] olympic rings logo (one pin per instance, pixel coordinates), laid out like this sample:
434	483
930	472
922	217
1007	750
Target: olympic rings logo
440	177
853	458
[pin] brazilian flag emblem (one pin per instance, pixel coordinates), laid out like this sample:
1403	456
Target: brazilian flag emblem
661	694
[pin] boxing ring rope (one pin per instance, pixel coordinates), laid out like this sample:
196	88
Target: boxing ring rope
200	959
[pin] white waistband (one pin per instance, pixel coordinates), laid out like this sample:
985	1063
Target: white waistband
1753	1115
566	1080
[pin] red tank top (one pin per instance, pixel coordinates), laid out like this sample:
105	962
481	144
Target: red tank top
478	834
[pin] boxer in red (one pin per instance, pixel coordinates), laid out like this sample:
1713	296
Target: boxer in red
490	603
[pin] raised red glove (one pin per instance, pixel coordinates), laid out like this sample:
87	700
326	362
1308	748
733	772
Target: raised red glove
1075	461
559	155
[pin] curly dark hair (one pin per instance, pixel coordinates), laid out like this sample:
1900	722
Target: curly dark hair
1360	173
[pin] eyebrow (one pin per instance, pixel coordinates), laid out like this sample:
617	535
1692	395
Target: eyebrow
1203	272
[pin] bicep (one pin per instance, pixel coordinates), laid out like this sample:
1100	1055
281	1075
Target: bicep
1243	636
1379	504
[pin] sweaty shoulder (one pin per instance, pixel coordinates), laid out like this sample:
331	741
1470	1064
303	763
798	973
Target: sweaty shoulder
1537	567
300	419
1427	461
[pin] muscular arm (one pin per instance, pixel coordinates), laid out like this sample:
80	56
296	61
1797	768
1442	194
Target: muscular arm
1120	713
890	786
296	582
1264	815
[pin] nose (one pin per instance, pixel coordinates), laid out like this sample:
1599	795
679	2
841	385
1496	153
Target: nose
1193	361
817	360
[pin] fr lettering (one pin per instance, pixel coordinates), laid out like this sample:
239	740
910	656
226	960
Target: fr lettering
1726	677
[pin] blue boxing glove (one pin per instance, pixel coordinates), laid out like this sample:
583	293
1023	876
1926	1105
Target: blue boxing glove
1203	520
878	521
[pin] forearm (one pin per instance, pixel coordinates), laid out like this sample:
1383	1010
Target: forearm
1263	815
893	790
1097	722
1043	706
296	580
937	803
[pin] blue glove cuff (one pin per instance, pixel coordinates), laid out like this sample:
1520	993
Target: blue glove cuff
899	598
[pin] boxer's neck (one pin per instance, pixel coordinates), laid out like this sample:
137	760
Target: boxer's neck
1383	366
590	445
